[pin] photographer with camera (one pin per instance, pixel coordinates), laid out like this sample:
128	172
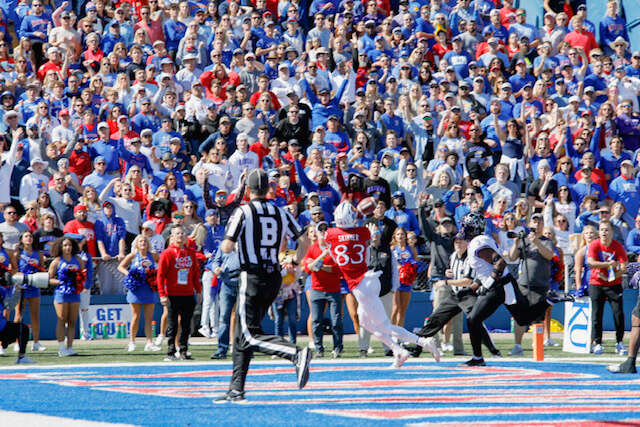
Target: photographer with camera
534	270
12	331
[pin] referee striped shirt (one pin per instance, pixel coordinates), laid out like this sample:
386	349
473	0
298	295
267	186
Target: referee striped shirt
460	268
258	229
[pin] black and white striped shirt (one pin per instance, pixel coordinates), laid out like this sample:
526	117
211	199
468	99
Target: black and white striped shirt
259	228
460	268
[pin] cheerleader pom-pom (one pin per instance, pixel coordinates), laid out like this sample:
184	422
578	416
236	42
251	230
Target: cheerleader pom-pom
135	278
152	279
68	281
408	273
633	283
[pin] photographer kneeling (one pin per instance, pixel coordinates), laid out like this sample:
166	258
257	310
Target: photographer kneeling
10	293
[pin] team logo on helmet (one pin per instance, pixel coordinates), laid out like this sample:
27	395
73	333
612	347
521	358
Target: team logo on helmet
471	225
345	215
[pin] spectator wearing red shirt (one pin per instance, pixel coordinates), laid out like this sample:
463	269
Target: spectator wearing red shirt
178	279
607	259
325	290
81	226
153	29
581	38
261	146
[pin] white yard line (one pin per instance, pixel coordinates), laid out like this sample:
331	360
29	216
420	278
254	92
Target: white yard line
25	419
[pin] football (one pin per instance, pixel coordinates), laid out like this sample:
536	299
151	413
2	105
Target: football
366	206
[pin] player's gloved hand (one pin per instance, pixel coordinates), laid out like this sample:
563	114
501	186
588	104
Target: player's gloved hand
481	291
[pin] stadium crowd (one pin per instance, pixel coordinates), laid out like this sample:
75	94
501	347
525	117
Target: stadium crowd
125	119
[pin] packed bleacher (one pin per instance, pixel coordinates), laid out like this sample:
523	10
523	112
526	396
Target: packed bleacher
128	118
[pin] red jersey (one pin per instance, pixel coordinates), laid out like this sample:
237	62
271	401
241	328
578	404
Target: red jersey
349	251
178	272
84	229
598	251
322	280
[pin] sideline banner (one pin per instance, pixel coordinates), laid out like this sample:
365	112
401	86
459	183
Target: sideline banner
111	315
577	326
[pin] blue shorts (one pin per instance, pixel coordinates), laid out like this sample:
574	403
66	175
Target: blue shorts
31	292
142	295
61	298
344	287
404	288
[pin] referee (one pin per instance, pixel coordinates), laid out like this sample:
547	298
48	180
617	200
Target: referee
258	230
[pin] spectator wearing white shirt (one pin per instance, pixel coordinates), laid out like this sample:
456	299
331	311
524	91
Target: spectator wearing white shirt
628	87
284	85
64	131
35	183
188	75
242	159
197	105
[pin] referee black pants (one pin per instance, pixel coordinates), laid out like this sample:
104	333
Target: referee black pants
257	290
448	309
599	295
487	304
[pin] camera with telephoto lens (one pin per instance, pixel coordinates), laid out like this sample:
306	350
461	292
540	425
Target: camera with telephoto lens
516	234
37	280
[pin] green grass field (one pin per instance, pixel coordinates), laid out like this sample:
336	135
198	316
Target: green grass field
113	350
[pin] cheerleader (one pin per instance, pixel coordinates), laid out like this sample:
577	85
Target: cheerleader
27	260
140	266
65	272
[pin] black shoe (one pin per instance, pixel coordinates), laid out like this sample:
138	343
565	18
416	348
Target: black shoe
303	360
554	297
363	354
473	362
231	396
171	358
626	367
185	356
496	353
219	356
414	350
319	354
460	353
389	353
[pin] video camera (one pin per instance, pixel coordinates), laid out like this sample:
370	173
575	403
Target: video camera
37	280
517	234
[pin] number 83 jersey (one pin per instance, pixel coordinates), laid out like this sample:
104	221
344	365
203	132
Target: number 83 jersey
349	251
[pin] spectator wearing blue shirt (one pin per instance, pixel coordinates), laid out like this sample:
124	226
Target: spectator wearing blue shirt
174	30
328	196
625	188
146	118
633	238
325	105
459	59
404	217
611	160
520	79
612	26
98	179
586	187
106	148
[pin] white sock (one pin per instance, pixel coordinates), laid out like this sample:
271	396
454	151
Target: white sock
62	346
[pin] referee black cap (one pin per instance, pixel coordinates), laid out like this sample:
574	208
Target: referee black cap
258	181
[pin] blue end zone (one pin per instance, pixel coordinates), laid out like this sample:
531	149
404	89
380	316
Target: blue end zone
341	393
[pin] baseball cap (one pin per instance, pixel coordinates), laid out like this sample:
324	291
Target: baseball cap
63	112
537	216
626	162
167	156
258	180
398	194
446	219
150	225
79	208
146	132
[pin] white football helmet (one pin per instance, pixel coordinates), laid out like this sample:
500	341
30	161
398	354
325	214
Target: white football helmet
345	215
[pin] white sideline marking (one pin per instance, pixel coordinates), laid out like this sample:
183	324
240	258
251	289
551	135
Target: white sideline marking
25	419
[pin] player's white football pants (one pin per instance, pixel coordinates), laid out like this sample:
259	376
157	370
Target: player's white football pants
373	316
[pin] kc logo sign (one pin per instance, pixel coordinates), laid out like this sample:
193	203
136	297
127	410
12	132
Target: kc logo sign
577	326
